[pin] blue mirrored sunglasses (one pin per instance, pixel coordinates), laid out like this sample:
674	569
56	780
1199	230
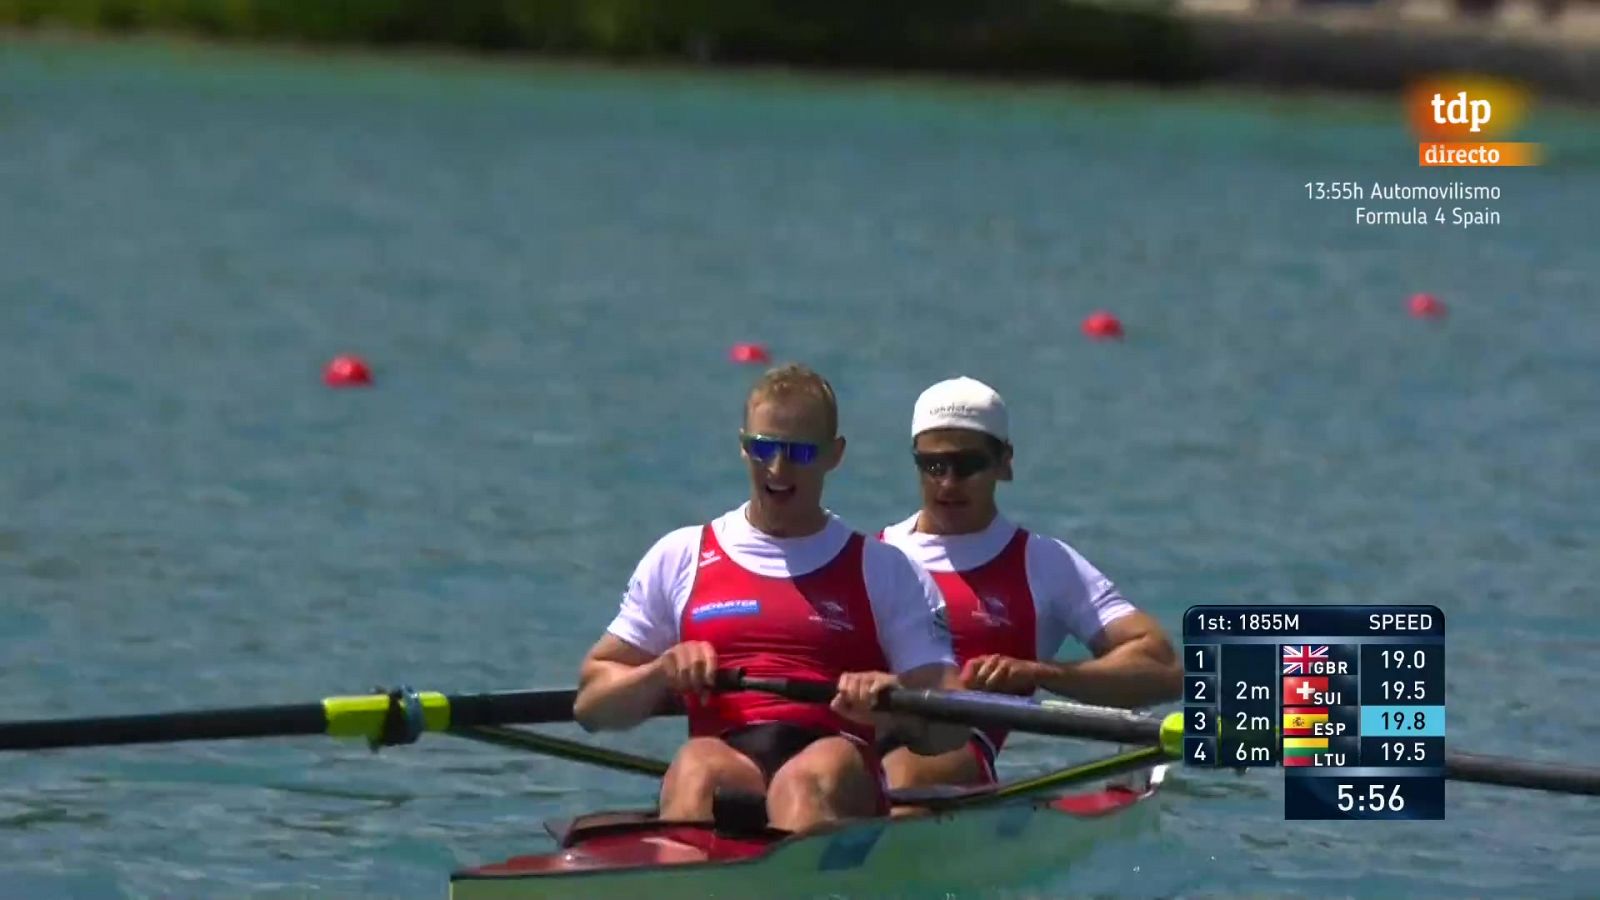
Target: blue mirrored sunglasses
762	448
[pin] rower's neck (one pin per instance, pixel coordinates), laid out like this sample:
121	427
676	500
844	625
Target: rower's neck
792	524
933	523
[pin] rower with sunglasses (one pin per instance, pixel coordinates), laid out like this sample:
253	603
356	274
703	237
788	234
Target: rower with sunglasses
779	587
1012	596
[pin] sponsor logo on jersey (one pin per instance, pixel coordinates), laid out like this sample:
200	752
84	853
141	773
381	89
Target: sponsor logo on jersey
721	609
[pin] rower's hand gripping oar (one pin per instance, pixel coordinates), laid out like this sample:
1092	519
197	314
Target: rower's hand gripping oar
1067	719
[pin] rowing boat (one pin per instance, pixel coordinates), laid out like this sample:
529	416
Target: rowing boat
633	854
1028	827
1019	832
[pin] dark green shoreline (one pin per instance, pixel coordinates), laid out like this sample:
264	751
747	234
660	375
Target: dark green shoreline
1020	38
1128	41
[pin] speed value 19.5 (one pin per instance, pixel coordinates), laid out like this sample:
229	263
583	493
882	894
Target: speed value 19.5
1402	751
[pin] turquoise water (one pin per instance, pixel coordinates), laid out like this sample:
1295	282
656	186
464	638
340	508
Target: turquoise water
546	267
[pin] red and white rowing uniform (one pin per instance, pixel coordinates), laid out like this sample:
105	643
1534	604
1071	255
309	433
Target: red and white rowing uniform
810	607
1011	592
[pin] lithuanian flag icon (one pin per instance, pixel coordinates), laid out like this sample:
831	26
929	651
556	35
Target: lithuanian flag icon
1301	751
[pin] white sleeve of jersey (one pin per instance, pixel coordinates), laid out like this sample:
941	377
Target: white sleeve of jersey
907	609
648	617
1074	596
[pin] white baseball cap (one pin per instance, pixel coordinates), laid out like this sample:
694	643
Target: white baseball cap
961	403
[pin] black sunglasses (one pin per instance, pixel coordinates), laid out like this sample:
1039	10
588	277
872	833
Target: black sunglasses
960	463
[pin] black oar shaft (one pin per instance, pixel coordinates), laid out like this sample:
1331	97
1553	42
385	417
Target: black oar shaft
1080	722
1518	773
203	725
527	708
793	688
1073	720
505	707
993	710
353	716
360	715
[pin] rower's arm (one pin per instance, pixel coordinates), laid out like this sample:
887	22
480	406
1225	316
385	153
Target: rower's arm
619	686
1134	665
622	680
927	738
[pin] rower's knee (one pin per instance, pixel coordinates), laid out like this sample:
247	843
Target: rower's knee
901	771
701	767
905	769
826	781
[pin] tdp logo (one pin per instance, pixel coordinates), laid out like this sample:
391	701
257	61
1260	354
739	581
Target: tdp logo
1469	120
1459	110
1468	107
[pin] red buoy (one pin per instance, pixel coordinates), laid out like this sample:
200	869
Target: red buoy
747	353
1426	306
1102	326
347	371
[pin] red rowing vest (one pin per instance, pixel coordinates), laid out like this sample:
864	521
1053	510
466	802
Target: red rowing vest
815	626
991	610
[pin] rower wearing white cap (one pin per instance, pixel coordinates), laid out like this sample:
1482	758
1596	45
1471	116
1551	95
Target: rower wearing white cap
1012	596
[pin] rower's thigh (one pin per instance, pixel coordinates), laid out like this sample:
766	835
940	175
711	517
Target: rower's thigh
834	770
704	764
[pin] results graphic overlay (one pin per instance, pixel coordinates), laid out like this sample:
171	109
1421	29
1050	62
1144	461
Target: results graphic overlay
1348	699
